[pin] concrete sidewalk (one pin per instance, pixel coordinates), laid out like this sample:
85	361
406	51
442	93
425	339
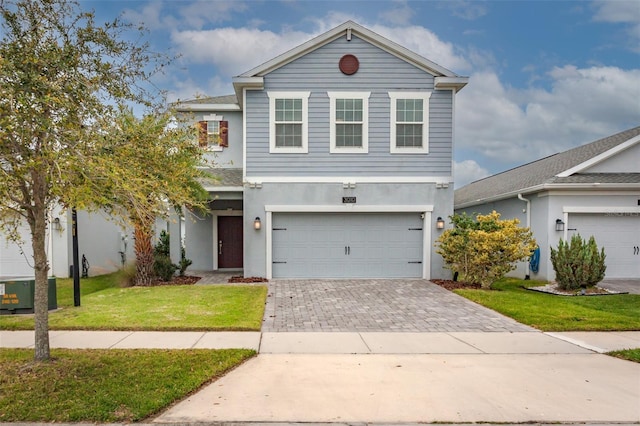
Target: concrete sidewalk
398	377
339	343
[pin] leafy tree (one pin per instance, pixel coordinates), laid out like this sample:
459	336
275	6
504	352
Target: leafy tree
485	249
578	263
60	72
156	170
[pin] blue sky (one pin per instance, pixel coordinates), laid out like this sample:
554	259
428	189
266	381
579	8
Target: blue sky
545	76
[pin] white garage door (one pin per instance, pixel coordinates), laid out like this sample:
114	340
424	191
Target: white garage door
619	234
336	245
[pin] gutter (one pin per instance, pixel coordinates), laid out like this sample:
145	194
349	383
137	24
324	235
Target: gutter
521	198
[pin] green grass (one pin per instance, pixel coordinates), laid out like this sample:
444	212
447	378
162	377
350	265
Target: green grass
548	312
628	354
105	306
104	385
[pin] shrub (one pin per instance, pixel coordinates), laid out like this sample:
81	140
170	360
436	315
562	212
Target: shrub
162	265
578	264
184	262
163	248
485	249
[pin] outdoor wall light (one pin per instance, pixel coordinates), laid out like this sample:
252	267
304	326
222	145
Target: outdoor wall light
257	224
56	224
440	223
559	225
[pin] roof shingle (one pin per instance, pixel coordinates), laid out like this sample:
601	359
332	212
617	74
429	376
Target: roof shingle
545	170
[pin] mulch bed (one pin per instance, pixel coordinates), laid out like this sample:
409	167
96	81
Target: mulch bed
455	285
241	279
178	280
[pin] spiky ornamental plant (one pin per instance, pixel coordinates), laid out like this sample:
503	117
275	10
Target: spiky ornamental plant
578	263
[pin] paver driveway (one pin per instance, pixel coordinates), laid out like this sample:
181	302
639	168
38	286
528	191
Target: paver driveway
410	305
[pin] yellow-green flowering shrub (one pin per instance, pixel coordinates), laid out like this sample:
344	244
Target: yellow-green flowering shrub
484	249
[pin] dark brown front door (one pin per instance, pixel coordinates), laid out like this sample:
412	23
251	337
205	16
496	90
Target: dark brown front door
229	241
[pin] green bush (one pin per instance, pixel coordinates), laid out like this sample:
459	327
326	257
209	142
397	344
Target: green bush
162	265
184	262
578	264
163	248
484	249
164	268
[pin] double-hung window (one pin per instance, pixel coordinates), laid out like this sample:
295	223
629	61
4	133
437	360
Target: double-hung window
409	127
349	122
288	115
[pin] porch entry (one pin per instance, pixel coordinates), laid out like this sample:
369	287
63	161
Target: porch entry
229	244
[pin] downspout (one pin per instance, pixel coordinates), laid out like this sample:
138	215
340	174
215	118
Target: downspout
521	198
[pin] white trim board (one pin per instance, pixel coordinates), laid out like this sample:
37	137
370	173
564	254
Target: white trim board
348	208
349	179
602	209
599	158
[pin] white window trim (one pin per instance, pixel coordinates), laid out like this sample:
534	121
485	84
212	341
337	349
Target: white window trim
364	96
218	118
273	149
425	96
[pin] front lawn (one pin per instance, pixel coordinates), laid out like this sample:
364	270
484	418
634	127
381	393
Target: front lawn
628	354
105	306
104	386
548	312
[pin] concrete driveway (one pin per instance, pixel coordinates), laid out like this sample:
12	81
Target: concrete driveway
376	305
408	351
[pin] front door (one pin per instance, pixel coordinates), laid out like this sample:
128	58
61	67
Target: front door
229	242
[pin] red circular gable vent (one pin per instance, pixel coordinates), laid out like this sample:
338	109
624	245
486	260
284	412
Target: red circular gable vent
349	64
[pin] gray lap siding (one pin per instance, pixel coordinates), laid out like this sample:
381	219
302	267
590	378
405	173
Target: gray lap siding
379	74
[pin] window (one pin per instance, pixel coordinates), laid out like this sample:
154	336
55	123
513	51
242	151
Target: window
288	122
213	132
409	127
349	121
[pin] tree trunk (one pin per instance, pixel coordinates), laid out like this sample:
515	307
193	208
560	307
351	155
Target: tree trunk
37	219
144	253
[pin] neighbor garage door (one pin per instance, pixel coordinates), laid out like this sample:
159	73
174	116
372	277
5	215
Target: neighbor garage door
619	234
337	245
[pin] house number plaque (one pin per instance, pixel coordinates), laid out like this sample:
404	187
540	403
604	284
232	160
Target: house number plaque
348	200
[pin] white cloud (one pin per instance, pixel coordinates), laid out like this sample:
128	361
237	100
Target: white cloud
469	10
426	43
468	171
400	14
234	50
149	15
197	14
517	126
621	12
159	15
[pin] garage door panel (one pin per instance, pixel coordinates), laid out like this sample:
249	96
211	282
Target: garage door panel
617	234
347	245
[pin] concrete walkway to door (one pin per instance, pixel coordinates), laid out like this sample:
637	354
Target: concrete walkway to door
376	305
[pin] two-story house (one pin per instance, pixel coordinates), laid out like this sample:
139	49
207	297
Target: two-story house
334	160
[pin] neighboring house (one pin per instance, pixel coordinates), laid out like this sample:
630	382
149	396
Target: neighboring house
334	160
591	190
104	244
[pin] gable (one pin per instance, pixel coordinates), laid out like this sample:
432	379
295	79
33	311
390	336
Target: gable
254	78
627	161
319	70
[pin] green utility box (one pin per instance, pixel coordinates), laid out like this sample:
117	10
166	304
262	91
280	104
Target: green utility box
17	295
